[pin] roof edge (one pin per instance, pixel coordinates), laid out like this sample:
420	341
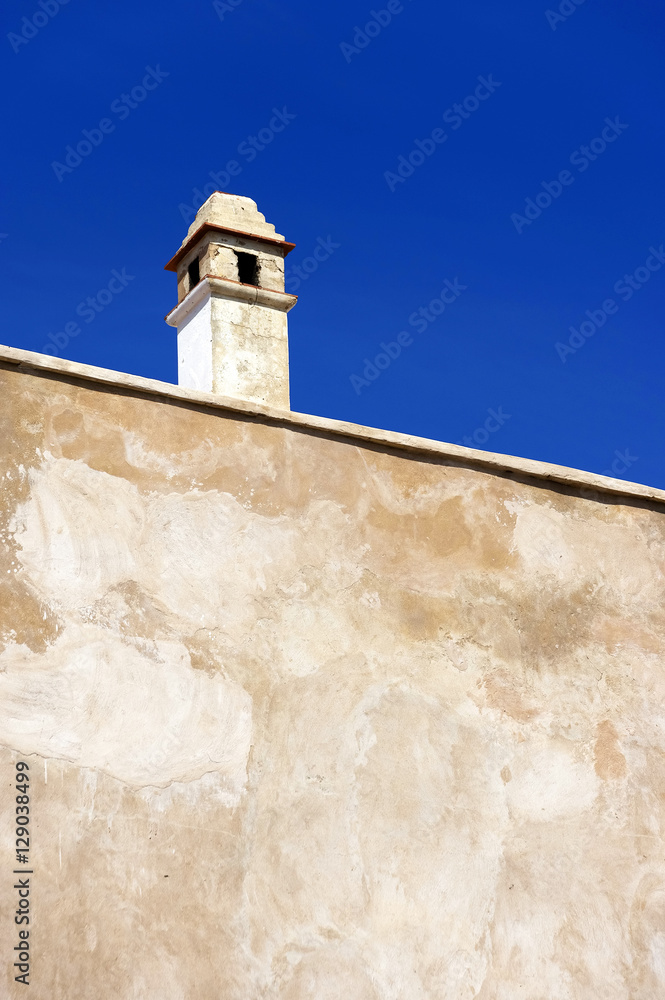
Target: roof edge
489	461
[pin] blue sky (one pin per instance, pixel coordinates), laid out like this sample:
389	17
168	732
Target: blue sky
533	208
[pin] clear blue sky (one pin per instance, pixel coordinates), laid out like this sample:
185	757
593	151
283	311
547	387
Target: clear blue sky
458	214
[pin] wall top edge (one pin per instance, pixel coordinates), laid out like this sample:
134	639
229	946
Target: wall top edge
27	361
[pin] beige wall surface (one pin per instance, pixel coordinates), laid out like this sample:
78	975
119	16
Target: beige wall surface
308	719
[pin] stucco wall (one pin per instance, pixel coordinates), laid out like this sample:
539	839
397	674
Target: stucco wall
309	719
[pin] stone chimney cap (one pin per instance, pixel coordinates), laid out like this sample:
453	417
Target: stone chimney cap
235	212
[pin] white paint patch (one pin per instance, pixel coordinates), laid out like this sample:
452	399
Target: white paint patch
309	635
83	533
540	538
195	349
91	937
548	784
100	703
657	956
573	548
200	557
79	533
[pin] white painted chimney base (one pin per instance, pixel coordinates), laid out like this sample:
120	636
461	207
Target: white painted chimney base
233	341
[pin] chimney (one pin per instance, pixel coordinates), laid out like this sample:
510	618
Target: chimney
231	312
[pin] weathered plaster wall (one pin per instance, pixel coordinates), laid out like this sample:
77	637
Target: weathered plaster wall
308	719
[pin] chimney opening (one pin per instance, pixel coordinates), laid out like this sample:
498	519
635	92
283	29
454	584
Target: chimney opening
194	273
248	268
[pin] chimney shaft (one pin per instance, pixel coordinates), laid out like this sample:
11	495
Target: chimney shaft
231	313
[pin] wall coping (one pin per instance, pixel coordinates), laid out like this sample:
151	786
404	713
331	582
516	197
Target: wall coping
27	361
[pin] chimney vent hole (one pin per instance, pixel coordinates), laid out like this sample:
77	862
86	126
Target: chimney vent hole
248	268
194	273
